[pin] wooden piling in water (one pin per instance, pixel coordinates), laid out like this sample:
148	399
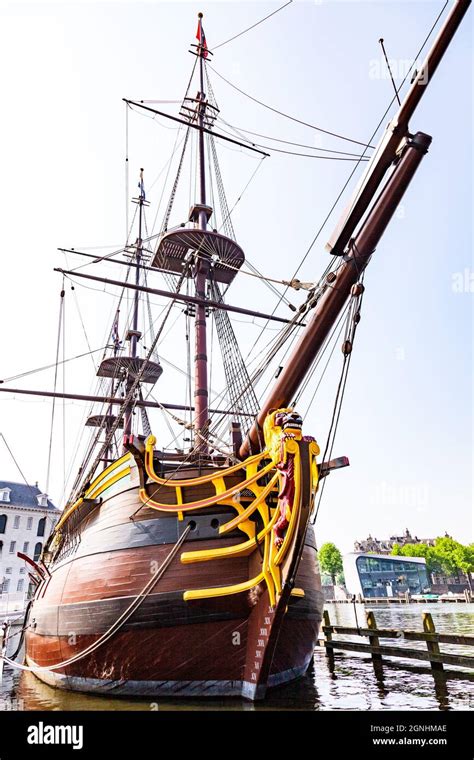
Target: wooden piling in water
3	645
327	629
373	640
432	646
429	636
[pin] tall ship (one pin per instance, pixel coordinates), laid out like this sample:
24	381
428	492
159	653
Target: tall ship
193	571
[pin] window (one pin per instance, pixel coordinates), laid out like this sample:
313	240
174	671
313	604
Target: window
5	586
41	526
38	550
5	494
3	523
9	570
12	547
25	547
42	499
29	523
22	571
20	584
16	521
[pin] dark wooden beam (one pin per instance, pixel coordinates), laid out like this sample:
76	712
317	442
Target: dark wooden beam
116	401
176	296
196	126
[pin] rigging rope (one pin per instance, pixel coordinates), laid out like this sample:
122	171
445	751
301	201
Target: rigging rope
189	382
129	397
228	213
355	156
94	439
121	620
285	115
227	453
240	388
76	302
126	171
56	365
117	252
239	130
231	39
169	208
346	183
366	147
166	166
49	366
353	318
336	340
64	398
17	465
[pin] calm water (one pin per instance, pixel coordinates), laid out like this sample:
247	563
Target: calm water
352	685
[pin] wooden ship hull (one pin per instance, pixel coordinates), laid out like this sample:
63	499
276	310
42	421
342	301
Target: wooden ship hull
229	625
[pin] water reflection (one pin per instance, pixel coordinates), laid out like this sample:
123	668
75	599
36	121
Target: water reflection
380	680
441	690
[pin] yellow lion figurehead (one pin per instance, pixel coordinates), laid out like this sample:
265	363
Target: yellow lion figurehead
279	422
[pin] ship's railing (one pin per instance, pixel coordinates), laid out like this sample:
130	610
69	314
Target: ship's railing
272	464
108	477
276	471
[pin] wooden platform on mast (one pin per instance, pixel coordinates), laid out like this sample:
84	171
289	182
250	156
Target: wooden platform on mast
175	246
97	420
116	366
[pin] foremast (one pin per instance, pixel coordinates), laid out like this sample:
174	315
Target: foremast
133	334
128	370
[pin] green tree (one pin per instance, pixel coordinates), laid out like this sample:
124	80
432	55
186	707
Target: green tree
465	561
449	554
330	559
418	550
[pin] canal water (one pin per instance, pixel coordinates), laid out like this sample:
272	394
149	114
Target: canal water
351	684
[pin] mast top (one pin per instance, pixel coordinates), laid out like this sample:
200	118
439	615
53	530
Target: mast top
202	48
192	247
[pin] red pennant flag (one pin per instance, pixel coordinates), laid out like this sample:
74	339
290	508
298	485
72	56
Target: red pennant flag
201	37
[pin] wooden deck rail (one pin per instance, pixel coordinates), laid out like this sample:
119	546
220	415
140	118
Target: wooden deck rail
429	635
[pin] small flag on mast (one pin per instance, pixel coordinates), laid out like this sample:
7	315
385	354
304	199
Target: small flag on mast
201	37
141	185
115	330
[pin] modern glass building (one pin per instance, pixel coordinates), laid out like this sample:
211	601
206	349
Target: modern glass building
379	575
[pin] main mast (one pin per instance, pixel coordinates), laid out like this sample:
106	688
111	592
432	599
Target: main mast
201	391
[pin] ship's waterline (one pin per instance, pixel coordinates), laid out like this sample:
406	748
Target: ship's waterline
354	684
